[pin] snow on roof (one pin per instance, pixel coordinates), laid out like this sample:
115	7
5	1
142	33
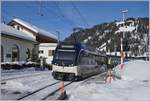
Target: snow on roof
35	29
5	29
103	45
125	29
118	23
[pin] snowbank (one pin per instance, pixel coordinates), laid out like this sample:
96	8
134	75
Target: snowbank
134	85
139	70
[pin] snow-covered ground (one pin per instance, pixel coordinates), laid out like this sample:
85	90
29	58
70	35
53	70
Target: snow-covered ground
13	72
16	88
134	85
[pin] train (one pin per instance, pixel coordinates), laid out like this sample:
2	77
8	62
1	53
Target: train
76	61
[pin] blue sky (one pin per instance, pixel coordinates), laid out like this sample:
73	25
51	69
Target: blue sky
64	16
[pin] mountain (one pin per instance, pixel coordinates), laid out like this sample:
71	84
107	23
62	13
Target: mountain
106	36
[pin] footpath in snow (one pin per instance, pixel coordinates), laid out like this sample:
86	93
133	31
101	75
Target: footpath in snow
133	85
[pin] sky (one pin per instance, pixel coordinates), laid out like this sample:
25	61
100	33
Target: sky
63	16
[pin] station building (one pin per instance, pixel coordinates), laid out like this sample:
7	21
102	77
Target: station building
16	45
42	42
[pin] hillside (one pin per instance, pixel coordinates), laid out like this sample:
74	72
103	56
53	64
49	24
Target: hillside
106	36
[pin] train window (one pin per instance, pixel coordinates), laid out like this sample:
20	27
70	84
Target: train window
83	59
65	55
93	62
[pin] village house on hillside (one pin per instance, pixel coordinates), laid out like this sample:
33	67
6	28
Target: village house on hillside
43	46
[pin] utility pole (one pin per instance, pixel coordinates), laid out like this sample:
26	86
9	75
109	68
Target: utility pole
58	35
122	36
148	47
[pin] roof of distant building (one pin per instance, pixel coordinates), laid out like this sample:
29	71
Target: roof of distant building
35	28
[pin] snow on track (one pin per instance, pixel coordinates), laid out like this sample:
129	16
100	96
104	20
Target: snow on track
16	88
35	92
44	93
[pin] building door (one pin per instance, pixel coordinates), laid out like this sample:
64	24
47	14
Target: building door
15	53
2	54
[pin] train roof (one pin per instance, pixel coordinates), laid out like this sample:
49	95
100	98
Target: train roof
80	46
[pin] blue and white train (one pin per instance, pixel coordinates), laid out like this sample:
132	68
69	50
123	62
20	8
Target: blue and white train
75	61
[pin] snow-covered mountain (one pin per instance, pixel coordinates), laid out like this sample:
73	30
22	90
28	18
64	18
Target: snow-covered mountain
106	36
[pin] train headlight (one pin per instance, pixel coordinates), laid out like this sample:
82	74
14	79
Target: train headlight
71	65
56	64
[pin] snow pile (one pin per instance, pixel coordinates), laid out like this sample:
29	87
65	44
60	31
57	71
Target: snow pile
138	70
133	87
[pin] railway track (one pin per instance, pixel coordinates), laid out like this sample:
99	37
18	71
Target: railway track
4	80
29	94
55	91
42	94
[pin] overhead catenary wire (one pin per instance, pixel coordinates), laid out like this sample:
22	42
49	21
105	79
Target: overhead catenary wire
59	15
40	8
82	17
62	15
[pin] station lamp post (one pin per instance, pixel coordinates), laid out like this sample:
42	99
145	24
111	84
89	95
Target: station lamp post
122	36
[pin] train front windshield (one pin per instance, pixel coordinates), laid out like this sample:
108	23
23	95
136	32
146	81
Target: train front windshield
65	56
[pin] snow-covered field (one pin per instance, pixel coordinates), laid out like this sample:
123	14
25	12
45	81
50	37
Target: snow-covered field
134	85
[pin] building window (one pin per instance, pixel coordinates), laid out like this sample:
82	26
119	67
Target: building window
8	55
50	52
15	53
41	51
18	27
